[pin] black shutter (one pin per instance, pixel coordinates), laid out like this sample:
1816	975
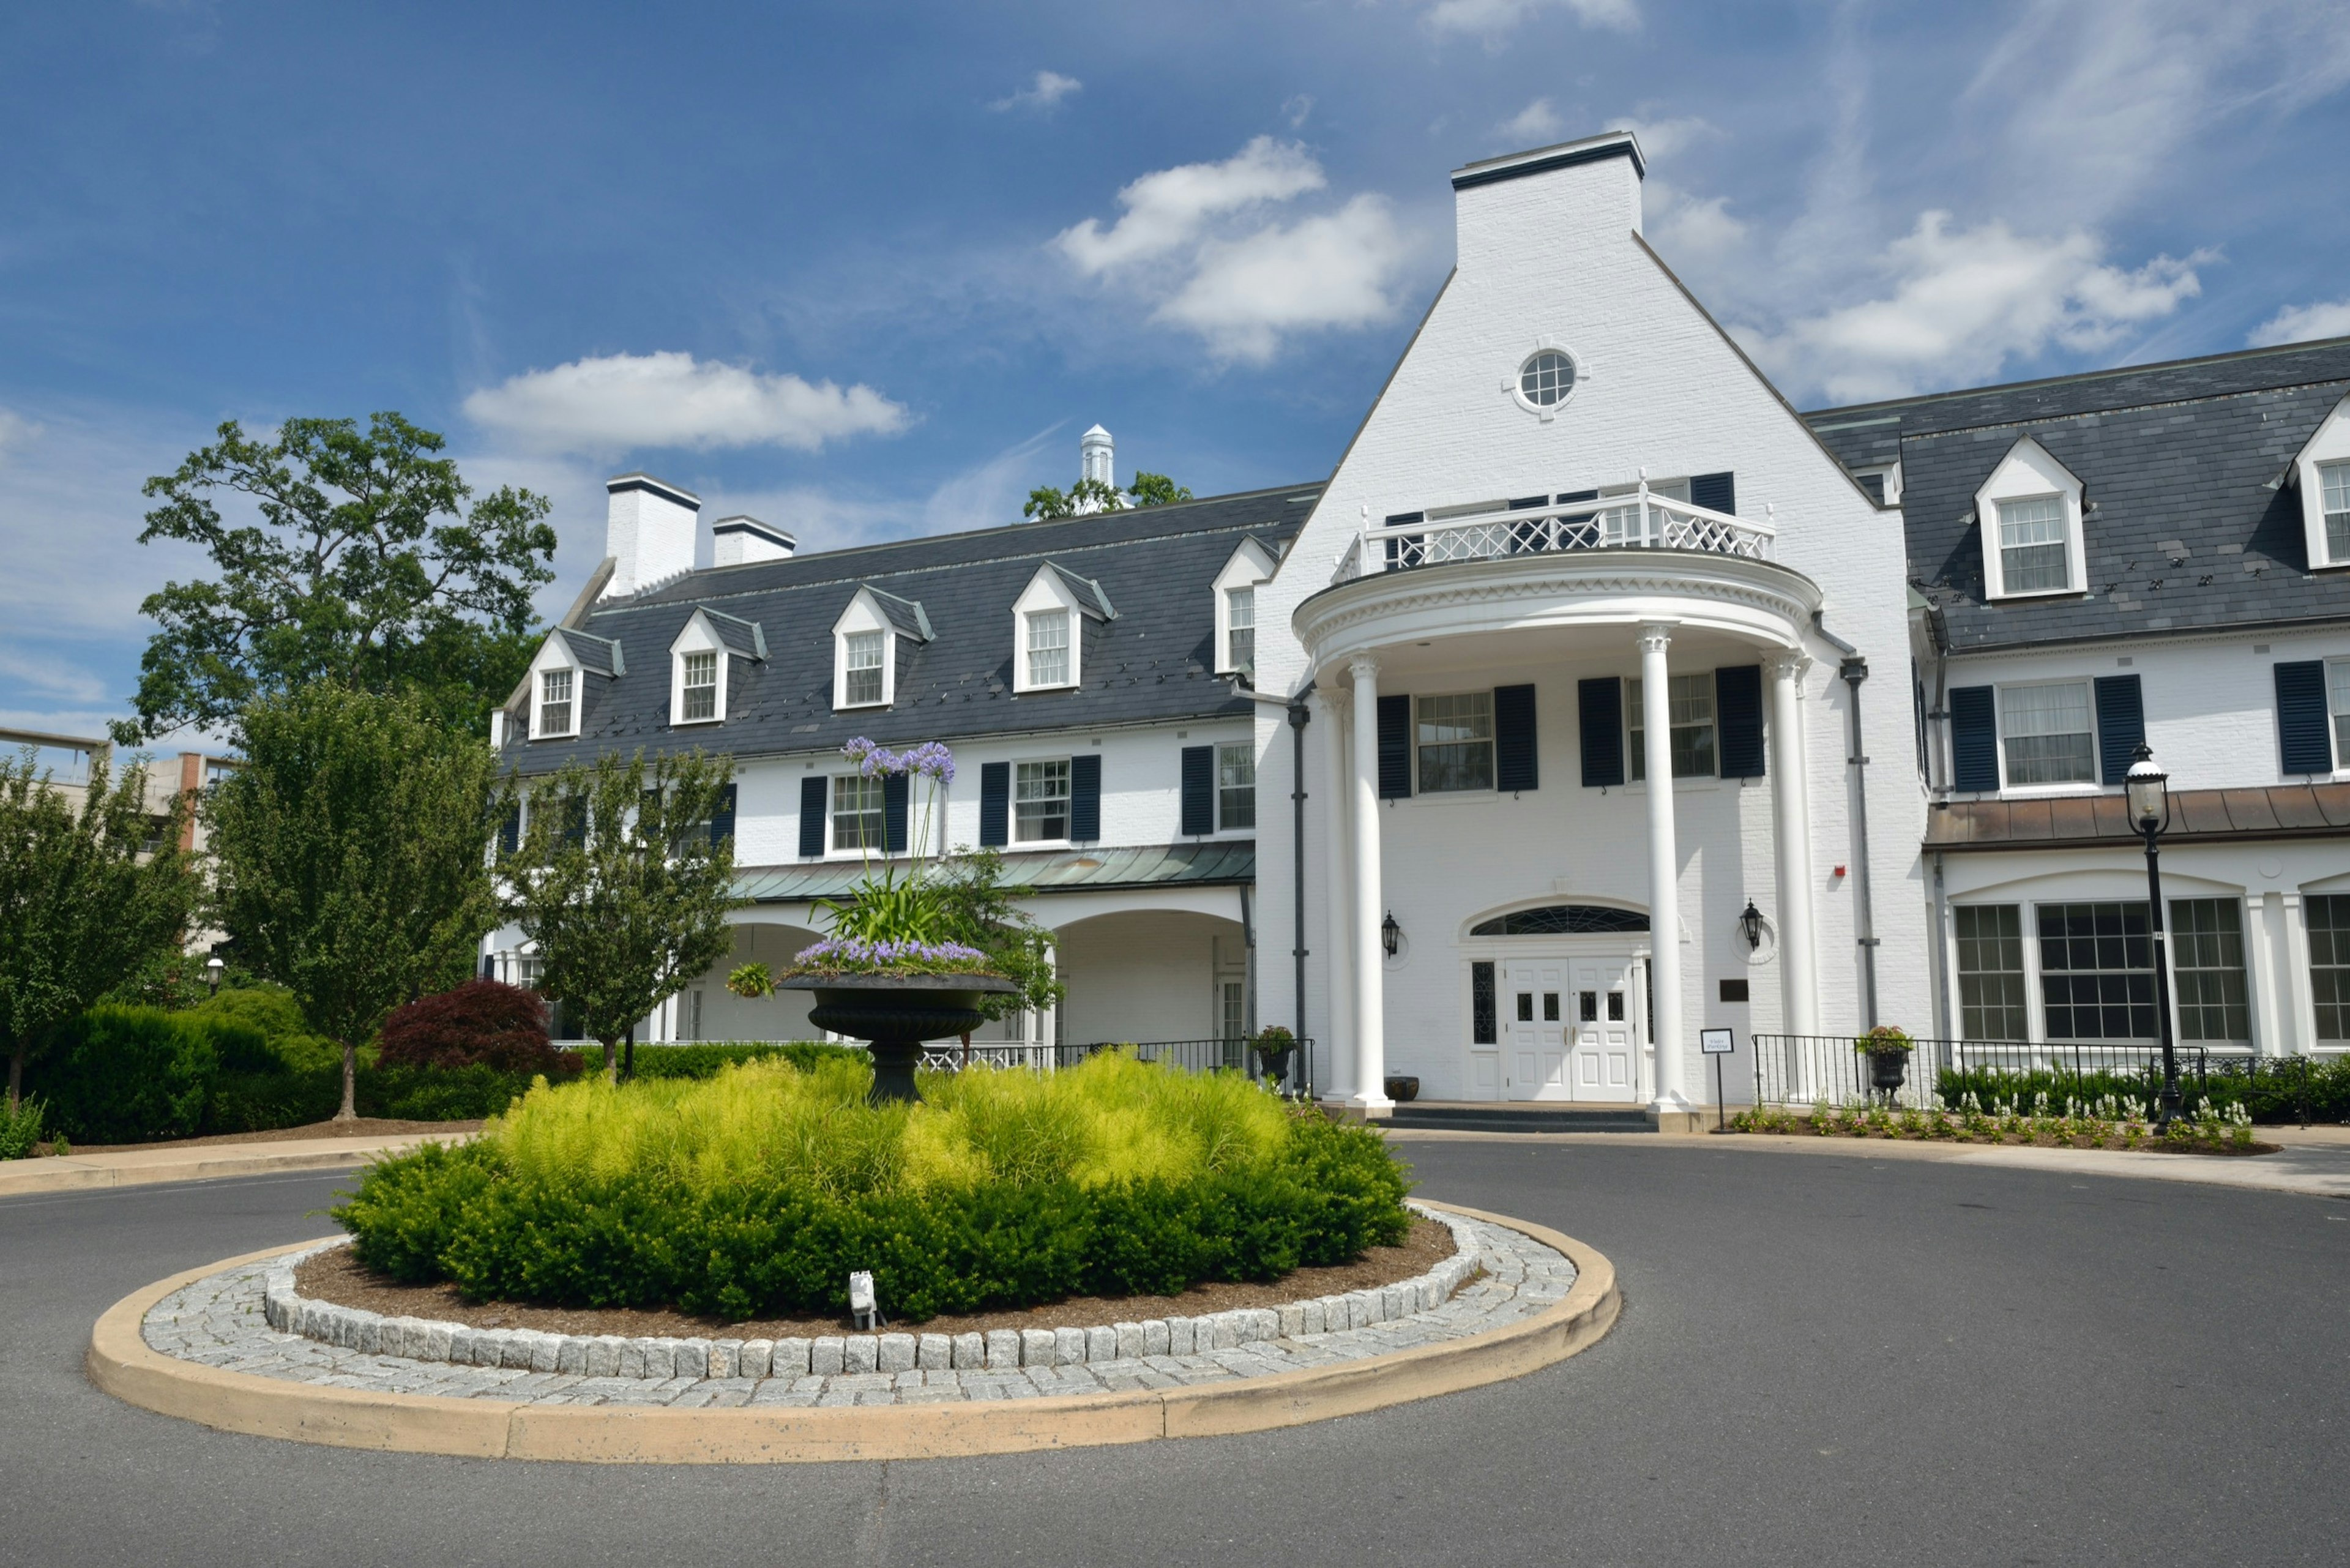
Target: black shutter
510	830
1737	708
722	821
1514	764
814	789
995	804
895	791
1714	491
2300	717
1199	790
1599	710
2121	724
1974	740
1085	798
1395	747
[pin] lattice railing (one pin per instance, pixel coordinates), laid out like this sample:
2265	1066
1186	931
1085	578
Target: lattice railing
1639	521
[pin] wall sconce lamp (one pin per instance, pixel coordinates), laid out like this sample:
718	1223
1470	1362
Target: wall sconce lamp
1750	922
1391	934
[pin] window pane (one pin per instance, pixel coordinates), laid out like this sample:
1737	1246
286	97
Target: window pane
2046	734
2033	556
861	655
1990	972
555	702
700	685
2096	972
1040	801
2329	962
1236	786
1689	701
1456	743
857	815
2207	961
2333	483
1048	649
1483	1026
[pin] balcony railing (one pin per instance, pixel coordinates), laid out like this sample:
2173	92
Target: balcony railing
1637	520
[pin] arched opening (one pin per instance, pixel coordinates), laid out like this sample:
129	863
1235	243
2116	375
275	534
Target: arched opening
1558	1002
706	1010
1562	920
1143	975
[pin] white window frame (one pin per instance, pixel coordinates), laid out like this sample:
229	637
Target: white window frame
2089	785
2031	472
1635	755
1249	566
864	660
2328	449
688	686
1069	800
1040	628
698	636
2337	707
833	813
1047	591
863	615
1493	744
1245	749
540	730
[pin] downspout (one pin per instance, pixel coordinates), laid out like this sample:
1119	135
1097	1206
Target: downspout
1300	715
1854	669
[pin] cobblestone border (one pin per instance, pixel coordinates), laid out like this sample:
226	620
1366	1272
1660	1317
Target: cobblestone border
197	1346
998	1350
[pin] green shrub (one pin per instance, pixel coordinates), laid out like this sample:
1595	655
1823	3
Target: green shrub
271	1009
2271	1089
20	1128
118	1075
704	1059
757	1190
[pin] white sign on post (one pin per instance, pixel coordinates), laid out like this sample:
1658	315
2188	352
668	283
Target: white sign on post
1716	1042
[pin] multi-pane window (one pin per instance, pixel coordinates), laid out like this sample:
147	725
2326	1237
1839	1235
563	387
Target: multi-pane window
2206	969
2337	702
861	653
1484	1028
2096	972
2334	489
1456	743
555	702
1236	786
2047	734
1048	648
2034	556
857	820
1040	801
701	686
2329	962
1990	972
1240	627
1689	701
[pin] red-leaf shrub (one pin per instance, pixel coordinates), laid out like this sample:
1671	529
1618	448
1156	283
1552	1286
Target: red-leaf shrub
483	1021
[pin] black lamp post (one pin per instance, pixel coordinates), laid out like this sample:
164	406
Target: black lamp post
2149	792
213	967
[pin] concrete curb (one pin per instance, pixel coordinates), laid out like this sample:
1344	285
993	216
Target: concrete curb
120	1361
198	1162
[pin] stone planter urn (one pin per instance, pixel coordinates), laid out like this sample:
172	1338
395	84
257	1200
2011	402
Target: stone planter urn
894	1014
1887	1070
1402	1087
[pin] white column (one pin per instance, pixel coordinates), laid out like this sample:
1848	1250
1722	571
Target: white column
1791	823
1370	1095
1337	950
1664	868
2259	942
2304	1005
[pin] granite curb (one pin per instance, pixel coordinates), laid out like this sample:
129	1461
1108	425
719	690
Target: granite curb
198	1162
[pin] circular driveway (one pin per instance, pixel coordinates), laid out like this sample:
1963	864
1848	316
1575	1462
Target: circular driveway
1822	1360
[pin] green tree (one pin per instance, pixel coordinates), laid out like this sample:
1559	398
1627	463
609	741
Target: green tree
977	910
1087	495
1156	490
89	891
351	855
368	563
621	882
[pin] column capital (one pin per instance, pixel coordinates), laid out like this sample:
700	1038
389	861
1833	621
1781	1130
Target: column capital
1789	664
1656	635
1363	667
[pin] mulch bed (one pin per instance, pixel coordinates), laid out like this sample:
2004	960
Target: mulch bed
2151	1146
363	1126
335	1277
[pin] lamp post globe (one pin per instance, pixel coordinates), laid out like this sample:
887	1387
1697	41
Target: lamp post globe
2147	789
213	967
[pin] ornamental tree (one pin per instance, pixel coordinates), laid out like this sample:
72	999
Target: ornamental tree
367	562
623	880
351	854
90	890
1090	495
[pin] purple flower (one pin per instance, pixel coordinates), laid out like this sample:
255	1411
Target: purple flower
930	759
856	952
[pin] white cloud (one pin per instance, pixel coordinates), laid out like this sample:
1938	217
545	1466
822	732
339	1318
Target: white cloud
1331	271
1174	207
1537	122
1489	19
672	400
1042	94
1668	139
1686	228
2302	323
1296	110
1963	302
14	431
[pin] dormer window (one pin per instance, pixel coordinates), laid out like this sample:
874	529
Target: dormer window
2320	472
1048	648
861	652
700	687
866	648
1235	602
2029	515
2333	492
1239	628
555	704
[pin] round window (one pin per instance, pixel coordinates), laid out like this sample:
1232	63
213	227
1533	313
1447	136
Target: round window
1546	378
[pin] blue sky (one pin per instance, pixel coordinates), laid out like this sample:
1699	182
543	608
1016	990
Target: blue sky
867	271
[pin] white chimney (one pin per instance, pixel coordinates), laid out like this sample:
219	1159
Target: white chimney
739	541
1547	201
650	531
1094	457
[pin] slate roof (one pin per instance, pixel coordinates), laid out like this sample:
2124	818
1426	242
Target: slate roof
1087	870
1153	662
2197	815
2177	461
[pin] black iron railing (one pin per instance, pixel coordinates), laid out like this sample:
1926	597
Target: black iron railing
1188	1056
1815	1069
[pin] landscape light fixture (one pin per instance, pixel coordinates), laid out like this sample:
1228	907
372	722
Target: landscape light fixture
2147	788
213	967
1391	934
1750	921
861	1302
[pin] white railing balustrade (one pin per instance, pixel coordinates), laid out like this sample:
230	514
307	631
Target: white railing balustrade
1637	520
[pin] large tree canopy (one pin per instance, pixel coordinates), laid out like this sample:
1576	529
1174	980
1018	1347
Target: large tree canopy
371	565
1089	495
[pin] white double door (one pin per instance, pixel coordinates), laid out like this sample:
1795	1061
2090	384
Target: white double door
1568	1023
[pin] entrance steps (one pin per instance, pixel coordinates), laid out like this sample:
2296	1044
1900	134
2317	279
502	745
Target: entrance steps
1470	1115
